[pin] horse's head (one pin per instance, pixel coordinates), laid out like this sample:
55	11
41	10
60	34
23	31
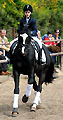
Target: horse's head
24	42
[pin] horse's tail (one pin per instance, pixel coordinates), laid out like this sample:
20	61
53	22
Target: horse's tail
49	74
49	64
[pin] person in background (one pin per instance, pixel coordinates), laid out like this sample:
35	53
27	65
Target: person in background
49	37
4	40
43	37
39	35
56	36
3	66
3	50
52	46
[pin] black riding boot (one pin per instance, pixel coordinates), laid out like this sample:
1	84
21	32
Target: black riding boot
40	56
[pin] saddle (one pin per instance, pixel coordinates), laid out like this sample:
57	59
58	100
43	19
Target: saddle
35	45
37	49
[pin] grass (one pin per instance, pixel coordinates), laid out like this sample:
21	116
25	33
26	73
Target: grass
10	68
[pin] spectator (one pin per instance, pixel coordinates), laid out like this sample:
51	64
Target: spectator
4	40
43	37
49	37
3	66
52	46
39	35
4	48
57	36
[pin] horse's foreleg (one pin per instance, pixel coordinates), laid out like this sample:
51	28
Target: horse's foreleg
28	93
16	93
29	87
30	82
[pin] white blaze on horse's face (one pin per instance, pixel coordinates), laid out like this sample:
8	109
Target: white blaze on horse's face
24	39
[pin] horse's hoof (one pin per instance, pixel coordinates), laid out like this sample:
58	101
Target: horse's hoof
25	99
33	109
15	112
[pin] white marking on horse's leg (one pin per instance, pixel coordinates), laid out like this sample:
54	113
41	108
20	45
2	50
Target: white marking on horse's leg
36	99
15	102
29	89
39	100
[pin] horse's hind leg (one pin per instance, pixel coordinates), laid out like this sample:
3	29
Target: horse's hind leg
37	100
16	93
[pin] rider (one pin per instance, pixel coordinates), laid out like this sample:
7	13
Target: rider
30	23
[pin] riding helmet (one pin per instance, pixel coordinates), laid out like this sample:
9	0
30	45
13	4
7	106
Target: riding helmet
28	7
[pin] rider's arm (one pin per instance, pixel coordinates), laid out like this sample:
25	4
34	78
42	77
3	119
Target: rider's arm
34	28
20	26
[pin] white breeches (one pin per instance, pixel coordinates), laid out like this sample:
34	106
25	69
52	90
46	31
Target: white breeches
43	56
38	41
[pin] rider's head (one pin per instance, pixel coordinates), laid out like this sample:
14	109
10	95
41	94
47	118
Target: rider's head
28	10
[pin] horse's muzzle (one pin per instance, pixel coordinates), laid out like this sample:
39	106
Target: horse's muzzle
24	54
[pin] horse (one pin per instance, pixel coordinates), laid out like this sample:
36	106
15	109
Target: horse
23	58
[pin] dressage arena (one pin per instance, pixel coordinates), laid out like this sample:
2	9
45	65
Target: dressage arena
51	96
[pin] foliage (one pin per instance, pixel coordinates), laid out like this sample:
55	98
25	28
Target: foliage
49	14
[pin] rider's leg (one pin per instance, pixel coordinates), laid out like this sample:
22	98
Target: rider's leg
40	51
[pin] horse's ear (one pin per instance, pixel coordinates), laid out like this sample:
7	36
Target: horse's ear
20	39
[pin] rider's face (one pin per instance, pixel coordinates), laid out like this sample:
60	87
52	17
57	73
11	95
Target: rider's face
27	14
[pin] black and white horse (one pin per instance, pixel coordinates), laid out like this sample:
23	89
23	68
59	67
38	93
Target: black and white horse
24	61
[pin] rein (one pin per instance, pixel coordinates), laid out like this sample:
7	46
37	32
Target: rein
24	45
